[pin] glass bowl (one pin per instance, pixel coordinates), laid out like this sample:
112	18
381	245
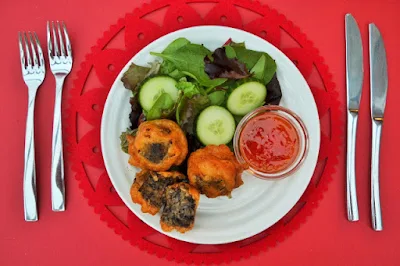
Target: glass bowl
288	116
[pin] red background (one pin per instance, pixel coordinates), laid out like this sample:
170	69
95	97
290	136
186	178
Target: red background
78	237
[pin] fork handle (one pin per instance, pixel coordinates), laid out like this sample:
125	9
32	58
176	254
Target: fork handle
352	205
29	182
57	164
375	195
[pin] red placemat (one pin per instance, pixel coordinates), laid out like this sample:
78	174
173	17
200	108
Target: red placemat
112	52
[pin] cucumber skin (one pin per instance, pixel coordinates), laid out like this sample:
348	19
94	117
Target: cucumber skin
149	78
197	124
230	106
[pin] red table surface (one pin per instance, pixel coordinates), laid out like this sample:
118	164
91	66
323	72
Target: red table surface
78	237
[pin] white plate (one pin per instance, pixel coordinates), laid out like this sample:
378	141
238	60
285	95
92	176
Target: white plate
257	204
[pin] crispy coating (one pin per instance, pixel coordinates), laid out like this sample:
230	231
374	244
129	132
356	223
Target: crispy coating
214	171
158	145
180	208
149	187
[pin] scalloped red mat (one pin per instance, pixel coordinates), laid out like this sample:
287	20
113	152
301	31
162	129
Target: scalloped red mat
120	43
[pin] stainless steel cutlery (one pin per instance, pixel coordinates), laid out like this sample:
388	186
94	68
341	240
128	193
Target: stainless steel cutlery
60	58
354	81
33	73
378	86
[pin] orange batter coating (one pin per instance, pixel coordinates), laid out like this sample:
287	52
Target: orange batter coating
180	208
158	145
149	187
214	171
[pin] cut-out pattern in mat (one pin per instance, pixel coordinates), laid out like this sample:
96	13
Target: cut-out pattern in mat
84	106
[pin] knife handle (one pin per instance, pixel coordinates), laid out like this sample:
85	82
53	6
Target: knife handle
375	195
352	205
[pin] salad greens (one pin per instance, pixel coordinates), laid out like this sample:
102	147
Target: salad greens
134	76
261	64
164	107
221	66
189	89
169	68
188	58
204	78
175	45
188	109
131	80
274	93
217	97
124	141
230	52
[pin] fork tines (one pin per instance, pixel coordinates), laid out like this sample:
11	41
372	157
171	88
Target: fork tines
58	41
30	48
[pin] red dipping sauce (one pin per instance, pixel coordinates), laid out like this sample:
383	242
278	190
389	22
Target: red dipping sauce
269	143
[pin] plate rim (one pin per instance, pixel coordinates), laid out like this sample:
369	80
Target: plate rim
107	102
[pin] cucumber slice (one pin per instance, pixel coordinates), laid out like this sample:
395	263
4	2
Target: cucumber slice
246	98
152	88
215	125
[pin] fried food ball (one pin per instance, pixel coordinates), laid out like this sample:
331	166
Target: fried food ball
214	171
158	145
149	187
180	208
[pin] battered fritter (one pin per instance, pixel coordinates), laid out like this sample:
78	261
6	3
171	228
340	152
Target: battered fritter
149	187
158	145
180	208
214	171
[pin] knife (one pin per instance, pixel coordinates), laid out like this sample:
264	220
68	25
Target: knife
379	86
354	81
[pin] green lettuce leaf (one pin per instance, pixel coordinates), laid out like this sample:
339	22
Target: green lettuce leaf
189	89
123	141
175	45
163	107
217	97
259	67
261	64
264	69
169	69
230	52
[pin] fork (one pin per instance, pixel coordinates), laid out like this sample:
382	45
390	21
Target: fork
60	58
33	73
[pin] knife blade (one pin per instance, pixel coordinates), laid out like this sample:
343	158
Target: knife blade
379	86
354	64
378	69
354	82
